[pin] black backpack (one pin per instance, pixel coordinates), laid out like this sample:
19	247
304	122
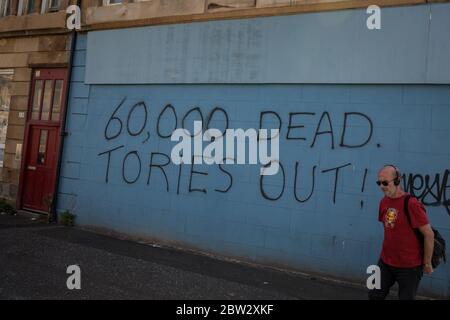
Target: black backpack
439	242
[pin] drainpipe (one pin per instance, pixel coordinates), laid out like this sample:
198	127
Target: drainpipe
53	213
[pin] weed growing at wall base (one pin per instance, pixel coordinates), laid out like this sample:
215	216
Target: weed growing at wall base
67	218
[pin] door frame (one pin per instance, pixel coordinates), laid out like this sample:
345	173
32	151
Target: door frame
29	123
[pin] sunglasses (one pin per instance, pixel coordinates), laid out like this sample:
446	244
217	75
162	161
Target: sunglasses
384	183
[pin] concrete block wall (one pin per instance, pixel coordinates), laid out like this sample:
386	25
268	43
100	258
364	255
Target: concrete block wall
334	232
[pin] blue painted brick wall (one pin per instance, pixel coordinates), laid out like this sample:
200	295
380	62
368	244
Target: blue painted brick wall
338	238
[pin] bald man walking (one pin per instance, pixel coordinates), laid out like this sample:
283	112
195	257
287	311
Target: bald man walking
403	258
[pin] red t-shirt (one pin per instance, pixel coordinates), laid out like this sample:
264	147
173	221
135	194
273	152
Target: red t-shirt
401	248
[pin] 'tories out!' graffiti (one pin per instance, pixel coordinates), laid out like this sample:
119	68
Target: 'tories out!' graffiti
431	191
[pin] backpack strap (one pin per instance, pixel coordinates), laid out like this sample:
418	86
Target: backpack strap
406	210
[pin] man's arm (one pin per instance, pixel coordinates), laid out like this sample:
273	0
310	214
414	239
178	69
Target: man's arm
428	244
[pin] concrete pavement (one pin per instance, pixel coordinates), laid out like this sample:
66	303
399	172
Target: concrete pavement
34	258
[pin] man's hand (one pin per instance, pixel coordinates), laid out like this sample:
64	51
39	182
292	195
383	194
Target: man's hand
428	268
428	236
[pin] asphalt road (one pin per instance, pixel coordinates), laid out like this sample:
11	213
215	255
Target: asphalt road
34	258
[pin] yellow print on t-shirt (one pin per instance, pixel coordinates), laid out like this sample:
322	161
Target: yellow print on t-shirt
390	218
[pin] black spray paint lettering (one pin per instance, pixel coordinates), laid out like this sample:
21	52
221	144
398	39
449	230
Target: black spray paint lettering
191	175
364	185
211	116
229	176
323	127
362	144
336	177
265	194
175	118
115	125
265	114
159	166
179	178
132	160
292	116
330	131
261	184
196	109
130	114
136	156
108	152
296	177
115	119
432	192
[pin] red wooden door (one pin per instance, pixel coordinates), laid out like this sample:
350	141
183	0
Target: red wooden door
42	139
41	161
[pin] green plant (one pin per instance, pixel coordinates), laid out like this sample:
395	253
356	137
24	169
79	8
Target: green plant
6	207
67	218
